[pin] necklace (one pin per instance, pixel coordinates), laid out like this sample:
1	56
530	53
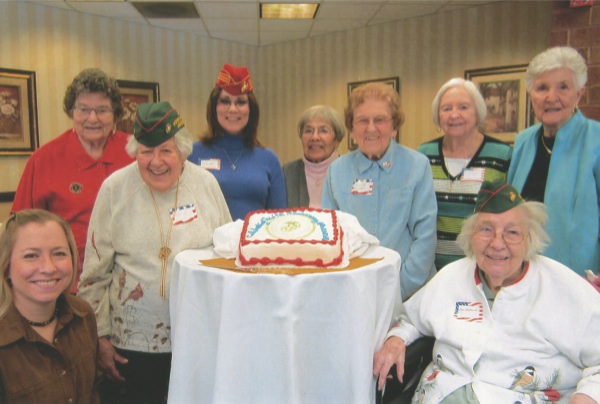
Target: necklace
233	163
546	147
165	251
42	323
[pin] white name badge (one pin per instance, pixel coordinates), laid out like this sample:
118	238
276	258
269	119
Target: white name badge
473	174
184	214
211	164
362	187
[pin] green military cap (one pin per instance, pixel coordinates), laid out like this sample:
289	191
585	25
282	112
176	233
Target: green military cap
497	197
155	123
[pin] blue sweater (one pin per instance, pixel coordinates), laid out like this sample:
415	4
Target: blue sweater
572	190
255	183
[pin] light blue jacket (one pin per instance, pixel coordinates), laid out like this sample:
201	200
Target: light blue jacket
400	210
572	190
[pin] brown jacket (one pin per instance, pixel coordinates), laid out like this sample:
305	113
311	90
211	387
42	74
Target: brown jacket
34	371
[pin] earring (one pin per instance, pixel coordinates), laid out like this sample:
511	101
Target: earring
9	282
438	129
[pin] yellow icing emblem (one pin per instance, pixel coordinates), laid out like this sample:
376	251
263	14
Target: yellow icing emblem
168	128
512	196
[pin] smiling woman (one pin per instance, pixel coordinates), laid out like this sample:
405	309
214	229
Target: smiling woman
144	215
249	174
64	175
42	326
321	129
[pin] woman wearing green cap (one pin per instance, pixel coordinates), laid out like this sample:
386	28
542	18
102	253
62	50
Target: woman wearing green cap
510	325
145	214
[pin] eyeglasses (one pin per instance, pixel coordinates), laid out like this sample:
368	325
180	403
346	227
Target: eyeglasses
101	112
510	236
321	130
377	121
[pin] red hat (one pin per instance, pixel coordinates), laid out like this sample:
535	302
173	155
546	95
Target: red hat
235	79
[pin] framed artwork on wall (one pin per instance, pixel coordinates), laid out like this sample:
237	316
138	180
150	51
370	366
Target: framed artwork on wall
18	112
393	82
135	93
506	99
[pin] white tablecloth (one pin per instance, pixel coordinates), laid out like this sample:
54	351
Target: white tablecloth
262	338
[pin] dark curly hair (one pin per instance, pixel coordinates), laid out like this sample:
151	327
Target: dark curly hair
93	80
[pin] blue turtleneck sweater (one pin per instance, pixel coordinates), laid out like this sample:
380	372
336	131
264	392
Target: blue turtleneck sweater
250	179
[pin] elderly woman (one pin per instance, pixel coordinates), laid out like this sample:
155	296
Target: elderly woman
461	160
388	187
249	174
64	175
144	215
558	160
44	330
510	325
321	129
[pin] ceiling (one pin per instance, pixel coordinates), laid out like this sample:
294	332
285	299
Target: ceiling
238	20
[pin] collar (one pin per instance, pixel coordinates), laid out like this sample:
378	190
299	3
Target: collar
230	142
480	281
319	169
15	328
83	160
385	163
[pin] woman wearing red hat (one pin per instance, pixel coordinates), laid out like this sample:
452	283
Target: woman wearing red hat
249	174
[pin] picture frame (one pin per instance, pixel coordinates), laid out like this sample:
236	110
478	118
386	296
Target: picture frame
505	94
393	82
135	93
18	112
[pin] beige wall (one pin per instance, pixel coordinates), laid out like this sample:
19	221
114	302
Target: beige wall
288	77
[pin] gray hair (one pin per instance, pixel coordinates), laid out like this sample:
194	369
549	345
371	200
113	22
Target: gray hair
470	88
536	218
327	114
556	58
183	142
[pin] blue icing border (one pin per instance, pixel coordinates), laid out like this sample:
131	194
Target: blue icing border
266	220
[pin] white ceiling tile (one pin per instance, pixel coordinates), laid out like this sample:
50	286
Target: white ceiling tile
285	25
180	24
233	25
108	9
348	10
227	10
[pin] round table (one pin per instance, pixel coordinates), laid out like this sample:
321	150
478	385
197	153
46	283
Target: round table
265	338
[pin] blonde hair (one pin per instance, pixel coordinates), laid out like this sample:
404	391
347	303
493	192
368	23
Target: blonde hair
8	238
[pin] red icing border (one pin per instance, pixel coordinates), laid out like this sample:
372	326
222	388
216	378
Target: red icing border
337	233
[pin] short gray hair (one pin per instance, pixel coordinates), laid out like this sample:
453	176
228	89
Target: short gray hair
470	88
327	114
536	218
555	58
183	142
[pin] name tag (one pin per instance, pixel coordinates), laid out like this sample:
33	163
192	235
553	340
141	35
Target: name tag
184	214
469	311
473	174
362	187
211	164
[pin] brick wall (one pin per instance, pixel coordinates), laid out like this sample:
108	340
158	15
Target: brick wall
580	28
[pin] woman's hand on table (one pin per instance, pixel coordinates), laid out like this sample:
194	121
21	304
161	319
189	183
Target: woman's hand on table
392	353
108	359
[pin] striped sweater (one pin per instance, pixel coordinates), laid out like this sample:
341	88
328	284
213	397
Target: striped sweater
456	195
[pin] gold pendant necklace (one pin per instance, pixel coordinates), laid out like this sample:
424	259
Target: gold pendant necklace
165	251
546	147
